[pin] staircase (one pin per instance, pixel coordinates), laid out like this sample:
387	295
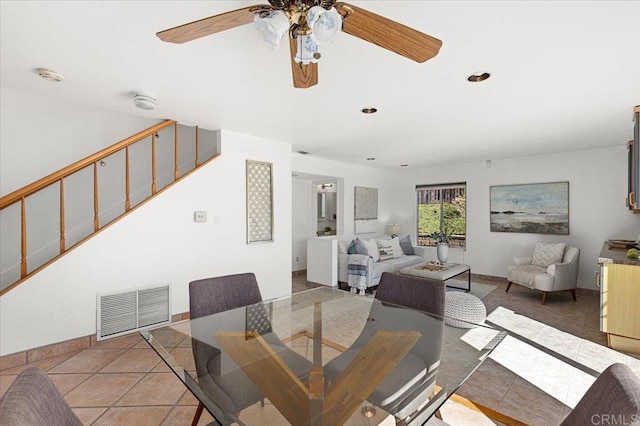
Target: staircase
46	219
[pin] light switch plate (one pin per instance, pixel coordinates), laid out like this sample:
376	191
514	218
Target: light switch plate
200	217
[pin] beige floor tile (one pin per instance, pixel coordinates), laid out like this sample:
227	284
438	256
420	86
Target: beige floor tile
188	399
89	415
67	382
180	416
5	382
133	361
102	390
154	389
87	361
538	403
138	416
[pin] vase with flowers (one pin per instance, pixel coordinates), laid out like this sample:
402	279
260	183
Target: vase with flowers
442	238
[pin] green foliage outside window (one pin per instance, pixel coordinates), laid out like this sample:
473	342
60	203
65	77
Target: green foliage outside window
453	219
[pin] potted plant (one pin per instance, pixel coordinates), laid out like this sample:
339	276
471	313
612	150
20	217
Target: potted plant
327	230
442	238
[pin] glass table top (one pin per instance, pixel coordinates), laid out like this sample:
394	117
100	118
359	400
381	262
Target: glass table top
322	357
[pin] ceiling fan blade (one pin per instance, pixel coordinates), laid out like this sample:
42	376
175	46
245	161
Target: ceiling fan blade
388	34
304	76
211	25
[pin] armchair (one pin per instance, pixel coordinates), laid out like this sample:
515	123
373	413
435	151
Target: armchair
553	267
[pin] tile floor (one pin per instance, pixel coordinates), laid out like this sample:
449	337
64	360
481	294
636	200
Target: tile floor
116	382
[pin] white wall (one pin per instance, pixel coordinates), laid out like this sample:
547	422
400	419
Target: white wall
159	243
40	135
597	191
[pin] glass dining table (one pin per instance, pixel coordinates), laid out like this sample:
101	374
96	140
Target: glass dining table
323	357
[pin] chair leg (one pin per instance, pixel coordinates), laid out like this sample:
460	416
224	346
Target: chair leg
544	297
196	417
573	293
508	286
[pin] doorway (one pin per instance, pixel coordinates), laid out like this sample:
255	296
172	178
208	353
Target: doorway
327	208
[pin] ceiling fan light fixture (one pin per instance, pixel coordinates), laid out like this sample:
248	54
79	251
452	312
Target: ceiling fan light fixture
324	23
272	27
145	100
307	51
369	110
478	77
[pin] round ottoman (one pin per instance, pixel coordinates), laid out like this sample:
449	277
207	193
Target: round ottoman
465	307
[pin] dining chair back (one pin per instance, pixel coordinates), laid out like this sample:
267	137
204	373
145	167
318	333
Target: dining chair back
614	398
33	399
411	382
218	294
226	385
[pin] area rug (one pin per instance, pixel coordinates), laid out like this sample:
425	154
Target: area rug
479	290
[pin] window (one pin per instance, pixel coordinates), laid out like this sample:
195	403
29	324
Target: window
442	208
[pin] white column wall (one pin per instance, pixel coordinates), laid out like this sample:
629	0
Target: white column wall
160	243
301	221
597	190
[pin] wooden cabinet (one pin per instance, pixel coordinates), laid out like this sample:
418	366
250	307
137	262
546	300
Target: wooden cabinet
620	306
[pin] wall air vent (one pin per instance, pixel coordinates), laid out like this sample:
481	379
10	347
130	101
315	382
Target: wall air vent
133	310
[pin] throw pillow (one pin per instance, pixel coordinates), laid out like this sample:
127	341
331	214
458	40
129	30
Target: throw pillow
395	246
406	246
357	247
547	254
385	249
372	249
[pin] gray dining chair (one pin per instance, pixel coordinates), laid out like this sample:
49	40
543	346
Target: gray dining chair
413	379
230	389
614	398
33	399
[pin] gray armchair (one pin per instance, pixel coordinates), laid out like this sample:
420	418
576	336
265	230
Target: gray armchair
558	276
614	398
33	399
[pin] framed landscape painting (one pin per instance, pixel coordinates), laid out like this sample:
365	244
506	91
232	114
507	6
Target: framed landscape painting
536	208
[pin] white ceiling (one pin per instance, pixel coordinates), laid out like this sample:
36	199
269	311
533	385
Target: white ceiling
565	76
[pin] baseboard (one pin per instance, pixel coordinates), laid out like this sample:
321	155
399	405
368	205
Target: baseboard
60	348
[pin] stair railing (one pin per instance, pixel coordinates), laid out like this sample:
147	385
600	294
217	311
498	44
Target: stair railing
94	160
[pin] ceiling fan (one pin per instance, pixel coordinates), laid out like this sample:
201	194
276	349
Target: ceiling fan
309	23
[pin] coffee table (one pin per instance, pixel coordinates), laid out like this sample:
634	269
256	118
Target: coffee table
443	272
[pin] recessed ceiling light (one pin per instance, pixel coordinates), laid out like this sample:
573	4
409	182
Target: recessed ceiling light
478	77
404	165
371	158
369	110
50	75
303	152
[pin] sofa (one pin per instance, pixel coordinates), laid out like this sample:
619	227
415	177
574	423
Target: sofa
376	265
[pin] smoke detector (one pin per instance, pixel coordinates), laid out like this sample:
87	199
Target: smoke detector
50	75
145	100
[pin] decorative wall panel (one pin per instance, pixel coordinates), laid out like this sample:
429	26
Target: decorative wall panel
365	210
259	202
